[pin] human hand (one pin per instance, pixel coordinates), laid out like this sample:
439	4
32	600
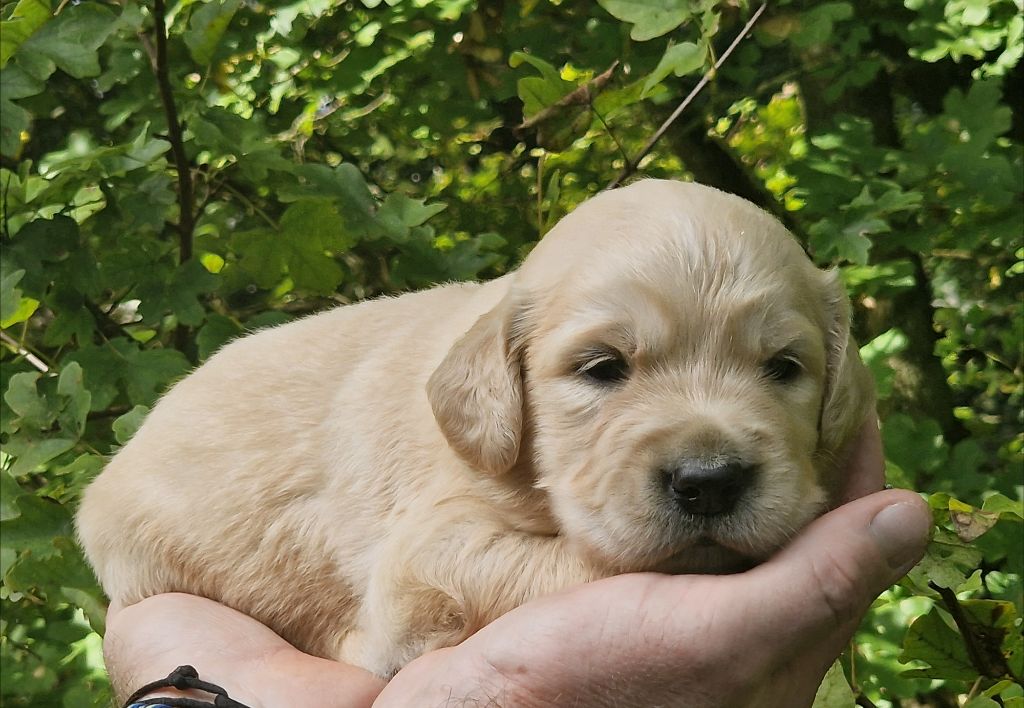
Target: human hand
145	641
762	638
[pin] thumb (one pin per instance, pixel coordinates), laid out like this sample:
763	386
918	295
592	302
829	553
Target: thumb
823	582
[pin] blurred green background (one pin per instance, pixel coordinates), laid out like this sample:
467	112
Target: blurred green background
324	152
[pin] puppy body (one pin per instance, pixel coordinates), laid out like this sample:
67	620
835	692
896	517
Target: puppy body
386	478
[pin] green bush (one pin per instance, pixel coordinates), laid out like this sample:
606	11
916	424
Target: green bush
172	177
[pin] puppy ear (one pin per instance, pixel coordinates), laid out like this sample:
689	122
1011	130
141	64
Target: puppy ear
849	395
477	392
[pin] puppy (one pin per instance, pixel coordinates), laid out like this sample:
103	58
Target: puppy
664	384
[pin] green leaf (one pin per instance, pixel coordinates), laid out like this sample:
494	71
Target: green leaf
312	231
10	490
313	269
947	562
27	17
14	121
70	385
982	702
179	296
887	344
125	426
102	367
206	27
344	183
930	640
876	354
151	371
70	323
834	691
975	12
679	59
317	223
399	213
423	263
263	255
1009	691
31	451
50	571
832	242
915	444
537	93
25	401
1003	505
817	23
26	307
890	277
979	116
42	241
69	41
10	296
650	18
35	529
217	331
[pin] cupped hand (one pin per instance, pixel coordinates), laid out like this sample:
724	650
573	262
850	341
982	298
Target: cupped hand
763	638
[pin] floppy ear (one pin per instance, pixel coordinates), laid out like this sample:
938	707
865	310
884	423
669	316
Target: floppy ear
849	395
477	392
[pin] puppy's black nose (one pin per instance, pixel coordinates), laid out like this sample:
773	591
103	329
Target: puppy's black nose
708	490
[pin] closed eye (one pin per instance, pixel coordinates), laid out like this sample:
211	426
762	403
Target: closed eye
604	368
783	367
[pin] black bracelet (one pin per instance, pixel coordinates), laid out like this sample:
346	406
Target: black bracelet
182	678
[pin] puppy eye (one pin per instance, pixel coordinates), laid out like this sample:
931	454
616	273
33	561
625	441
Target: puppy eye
783	367
606	368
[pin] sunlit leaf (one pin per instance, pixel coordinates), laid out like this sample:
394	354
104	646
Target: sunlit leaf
207	26
27	17
650	18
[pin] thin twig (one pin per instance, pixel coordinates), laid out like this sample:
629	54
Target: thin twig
611	134
631	166
31	358
186	199
983	650
250	204
112	412
5	228
974	689
540	195
582	95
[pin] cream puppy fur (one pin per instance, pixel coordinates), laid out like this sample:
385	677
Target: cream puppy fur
664	384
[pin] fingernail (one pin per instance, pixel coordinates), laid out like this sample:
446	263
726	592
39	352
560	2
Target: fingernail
901	532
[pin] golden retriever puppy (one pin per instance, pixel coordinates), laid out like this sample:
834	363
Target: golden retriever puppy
664	384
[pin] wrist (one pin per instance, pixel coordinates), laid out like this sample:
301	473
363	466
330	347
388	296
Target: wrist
183	687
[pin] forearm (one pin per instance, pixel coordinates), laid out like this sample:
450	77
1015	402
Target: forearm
145	642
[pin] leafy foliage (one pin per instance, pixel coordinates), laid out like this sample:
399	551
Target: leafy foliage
326	152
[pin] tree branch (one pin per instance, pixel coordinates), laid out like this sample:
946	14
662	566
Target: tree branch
631	165
186	198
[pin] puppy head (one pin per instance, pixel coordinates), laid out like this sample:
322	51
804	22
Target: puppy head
689	377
